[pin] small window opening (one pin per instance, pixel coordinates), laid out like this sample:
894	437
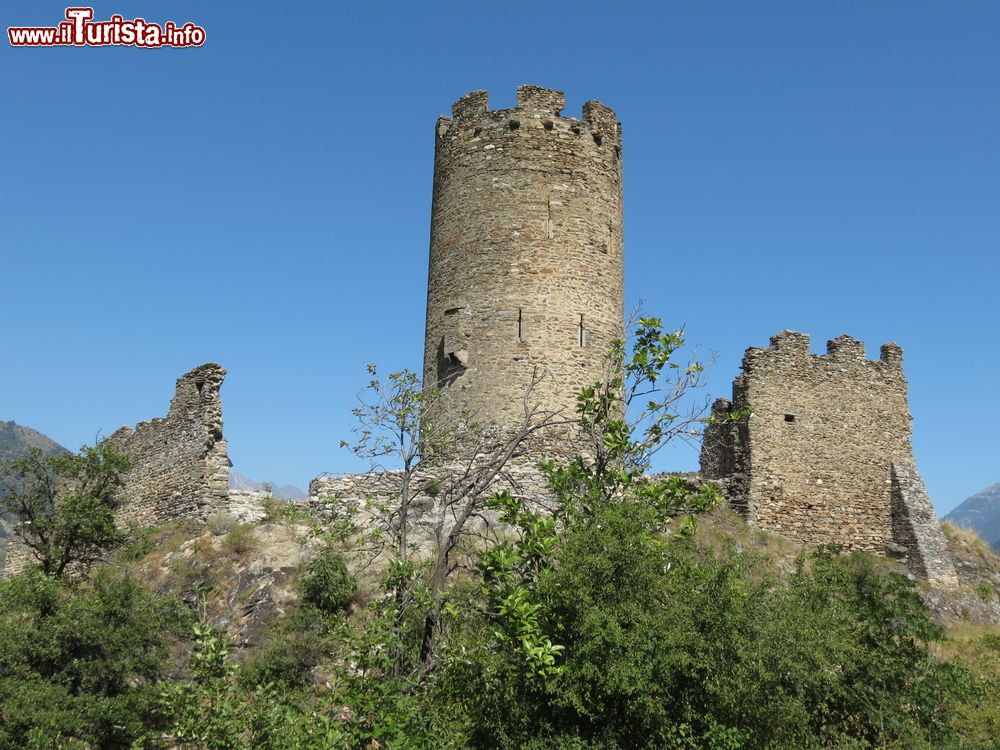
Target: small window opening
520	325
789	418
477	131
575	129
515	124
548	124
581	330
598	139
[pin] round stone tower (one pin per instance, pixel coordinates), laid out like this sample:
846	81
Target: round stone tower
526	261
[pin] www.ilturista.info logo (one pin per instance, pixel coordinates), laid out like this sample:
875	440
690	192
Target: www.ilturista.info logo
80	30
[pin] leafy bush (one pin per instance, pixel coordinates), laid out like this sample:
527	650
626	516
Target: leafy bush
329	586
79	664
297	643
285	511
64	505
666	645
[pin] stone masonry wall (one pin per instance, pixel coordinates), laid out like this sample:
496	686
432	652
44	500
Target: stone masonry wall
333	496
814	461
180	465
526	255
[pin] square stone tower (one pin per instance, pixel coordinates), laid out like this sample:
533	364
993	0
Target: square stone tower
825	456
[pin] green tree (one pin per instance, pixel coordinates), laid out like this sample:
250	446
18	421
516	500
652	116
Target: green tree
642	404
64	505
78	665
399	429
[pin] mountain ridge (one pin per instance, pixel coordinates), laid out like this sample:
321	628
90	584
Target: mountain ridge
981	513
241	483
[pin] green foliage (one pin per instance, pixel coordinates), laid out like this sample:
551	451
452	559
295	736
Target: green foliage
510	573
227	709
611	478
78	663
64	504
629	417
284	511
221	523
329	586
977	719
296	644
668	646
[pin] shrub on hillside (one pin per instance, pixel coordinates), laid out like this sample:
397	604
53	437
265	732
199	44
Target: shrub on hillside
77	665
328	585
667	645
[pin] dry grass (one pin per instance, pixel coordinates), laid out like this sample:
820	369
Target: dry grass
724	530
239	541
968	540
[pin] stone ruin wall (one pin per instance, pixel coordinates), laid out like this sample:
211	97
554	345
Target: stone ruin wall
815	460
332	496
180	463
180	466
526	268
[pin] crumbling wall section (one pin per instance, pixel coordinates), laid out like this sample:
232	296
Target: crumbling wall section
367	497
915	526
180	463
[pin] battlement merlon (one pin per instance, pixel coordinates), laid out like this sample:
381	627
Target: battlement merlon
546	101
542	104
792	345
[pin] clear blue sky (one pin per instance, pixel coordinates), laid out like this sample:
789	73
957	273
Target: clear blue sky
263	201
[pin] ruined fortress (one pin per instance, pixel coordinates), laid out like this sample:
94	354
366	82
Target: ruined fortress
824	455
526	277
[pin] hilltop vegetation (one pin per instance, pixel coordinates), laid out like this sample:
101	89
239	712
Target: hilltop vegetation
239	636
633	614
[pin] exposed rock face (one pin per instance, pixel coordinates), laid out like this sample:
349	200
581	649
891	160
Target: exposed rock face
826	455
526	256
180	466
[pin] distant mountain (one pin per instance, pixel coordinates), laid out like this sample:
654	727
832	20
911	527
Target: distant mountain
981	513
286	492
17	441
